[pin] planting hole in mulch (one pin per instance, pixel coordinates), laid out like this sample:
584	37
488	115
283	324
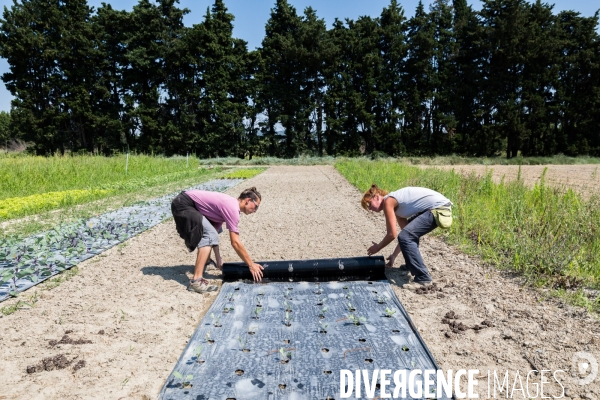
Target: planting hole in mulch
239	372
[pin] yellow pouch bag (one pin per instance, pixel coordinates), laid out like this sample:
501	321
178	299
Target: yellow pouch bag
443	217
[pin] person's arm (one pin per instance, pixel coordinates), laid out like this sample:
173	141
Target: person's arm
218	257
255	269
392	258
390	223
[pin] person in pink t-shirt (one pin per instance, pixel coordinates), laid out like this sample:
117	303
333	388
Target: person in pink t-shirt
215	209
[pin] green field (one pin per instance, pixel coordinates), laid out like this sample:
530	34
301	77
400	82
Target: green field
549	236
53	190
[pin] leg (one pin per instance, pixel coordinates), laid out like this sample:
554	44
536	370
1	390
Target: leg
409	244
210	239
201	259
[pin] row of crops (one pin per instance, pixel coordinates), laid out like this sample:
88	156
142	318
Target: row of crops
25	263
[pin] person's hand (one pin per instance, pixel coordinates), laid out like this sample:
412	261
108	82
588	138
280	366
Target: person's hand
373	249
390	261
220	263
256	271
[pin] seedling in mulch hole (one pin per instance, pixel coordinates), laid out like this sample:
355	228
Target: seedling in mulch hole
389	312
243	343
227	309
323	327
356	320
351	307
208	339
215	320
345	287
198	354
252	330
380	299
287	294
183	382
288	318
231	297
285	356
322	301
257	312
348	295
261	293
258	302
404	348
288	307
323	311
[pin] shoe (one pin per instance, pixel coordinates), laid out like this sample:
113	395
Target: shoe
201	286
416	285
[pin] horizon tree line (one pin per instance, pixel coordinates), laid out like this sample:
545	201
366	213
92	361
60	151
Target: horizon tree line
513	78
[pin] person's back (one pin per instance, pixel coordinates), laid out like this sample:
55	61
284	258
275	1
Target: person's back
413	200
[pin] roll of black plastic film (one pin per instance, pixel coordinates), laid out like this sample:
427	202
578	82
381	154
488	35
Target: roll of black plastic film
327	269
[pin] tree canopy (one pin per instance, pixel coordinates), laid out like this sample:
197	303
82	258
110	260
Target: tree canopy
513	78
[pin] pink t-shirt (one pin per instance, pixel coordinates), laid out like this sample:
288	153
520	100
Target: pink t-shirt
217	208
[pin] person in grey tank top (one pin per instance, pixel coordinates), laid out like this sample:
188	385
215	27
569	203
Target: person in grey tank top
413	209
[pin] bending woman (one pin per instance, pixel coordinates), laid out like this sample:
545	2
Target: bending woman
413	208
199	216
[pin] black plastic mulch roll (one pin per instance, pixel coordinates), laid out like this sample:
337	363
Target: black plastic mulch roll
342	269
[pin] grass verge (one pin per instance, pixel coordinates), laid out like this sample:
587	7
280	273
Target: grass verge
548	235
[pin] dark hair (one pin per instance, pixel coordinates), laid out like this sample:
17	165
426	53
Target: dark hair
250	193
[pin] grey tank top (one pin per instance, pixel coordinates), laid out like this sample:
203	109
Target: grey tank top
413	200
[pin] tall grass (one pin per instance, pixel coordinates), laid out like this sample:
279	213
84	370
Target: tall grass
27	175
29	185
549	235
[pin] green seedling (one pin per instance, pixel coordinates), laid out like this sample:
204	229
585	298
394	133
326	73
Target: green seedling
323	311
231	297
185	382
198	354
389	312
348	295
257	312
323	327
287	294
322	301
252	330
261	293
288	318
242	342
356	320
258	302
380	299
287	305
351	307
285	356
227	309
207	337
215	320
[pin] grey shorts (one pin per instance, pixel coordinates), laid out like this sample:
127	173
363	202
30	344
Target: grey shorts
210	236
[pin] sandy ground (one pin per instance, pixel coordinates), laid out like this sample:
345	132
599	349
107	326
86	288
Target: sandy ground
132	305
584	179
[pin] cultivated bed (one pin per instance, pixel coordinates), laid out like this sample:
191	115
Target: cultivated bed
131	303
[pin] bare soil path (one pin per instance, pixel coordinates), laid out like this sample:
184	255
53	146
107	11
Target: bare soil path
584	179
132	305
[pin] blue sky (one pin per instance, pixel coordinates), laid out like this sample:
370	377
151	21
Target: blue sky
251	16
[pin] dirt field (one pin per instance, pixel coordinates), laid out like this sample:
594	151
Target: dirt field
132	305
584	179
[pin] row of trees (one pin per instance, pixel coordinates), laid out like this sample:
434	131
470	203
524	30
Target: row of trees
512	78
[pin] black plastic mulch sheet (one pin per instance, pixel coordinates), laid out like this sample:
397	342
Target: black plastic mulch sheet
239	353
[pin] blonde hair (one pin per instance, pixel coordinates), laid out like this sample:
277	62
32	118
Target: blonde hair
369	194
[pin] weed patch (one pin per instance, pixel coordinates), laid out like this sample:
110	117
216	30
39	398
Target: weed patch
547	235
